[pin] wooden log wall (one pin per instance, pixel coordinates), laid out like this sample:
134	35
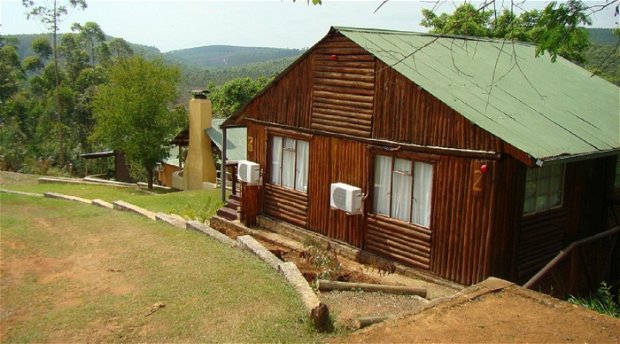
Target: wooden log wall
343	87
541	237
461	220
288	100
583	213
335	160
286	204
404	112
403	242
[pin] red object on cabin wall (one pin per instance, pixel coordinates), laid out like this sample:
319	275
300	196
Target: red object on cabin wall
334	57
484	168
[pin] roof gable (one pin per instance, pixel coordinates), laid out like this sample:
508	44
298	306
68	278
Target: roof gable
544	109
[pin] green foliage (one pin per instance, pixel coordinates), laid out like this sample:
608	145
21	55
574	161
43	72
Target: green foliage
233	94
326	260
133	111
556	29
465	21
41	46
562	34
602	301
10	69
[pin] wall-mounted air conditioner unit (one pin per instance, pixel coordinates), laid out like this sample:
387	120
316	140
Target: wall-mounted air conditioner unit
346	197
248	172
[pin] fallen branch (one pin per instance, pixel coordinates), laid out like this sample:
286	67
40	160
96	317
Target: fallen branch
325	285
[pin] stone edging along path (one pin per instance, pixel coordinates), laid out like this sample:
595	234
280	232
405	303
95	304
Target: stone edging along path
317	311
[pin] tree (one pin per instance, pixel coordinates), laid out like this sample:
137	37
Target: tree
234	93
133	113
556	29
11	72
51	17
92	35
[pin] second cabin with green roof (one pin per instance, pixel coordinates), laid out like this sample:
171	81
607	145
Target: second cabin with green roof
455	157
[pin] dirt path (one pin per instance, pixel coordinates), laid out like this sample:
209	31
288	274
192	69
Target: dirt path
510	315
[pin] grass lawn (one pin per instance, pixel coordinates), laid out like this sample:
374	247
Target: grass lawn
199	204
79	273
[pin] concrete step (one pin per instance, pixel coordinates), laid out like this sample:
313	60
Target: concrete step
236	198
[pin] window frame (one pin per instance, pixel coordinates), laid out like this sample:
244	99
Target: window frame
413	159
549	193
284	137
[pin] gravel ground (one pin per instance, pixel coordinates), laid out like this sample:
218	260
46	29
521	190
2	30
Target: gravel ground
346	306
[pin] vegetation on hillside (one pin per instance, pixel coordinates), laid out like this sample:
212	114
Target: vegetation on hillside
214	56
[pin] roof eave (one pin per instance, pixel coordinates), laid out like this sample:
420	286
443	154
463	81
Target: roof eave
563	159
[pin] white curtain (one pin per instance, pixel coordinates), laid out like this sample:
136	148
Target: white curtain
288	163
422	191
381	195
276	160
401	190
301	171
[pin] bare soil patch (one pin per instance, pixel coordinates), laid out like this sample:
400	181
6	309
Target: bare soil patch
511	315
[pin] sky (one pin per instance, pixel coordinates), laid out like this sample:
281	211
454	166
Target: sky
172	25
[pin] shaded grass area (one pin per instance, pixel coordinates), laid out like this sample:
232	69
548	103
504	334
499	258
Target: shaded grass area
75	273
198	204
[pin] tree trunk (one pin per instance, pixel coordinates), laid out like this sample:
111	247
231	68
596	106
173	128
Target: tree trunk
61	139
150	176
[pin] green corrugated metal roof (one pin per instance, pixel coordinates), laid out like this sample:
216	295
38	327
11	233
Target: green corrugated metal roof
236	139
545	109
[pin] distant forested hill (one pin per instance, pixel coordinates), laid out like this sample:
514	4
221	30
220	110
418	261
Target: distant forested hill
25	45
603	56
602	36
214	56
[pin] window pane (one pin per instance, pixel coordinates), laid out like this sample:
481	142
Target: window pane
276	160
301	172
544	188
422	191
381	195
402	180
288	163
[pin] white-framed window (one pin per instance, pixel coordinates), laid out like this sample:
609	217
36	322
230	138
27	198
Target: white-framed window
544	189
403	189
617	175
289	163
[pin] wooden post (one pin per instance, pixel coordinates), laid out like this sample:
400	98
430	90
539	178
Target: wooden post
234	179
249	203
223	165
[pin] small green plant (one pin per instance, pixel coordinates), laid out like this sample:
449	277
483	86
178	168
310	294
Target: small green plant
602	301
324	259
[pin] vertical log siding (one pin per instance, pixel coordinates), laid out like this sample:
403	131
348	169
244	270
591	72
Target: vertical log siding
404	112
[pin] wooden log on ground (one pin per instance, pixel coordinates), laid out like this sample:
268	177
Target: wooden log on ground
367	321
325	285
318	312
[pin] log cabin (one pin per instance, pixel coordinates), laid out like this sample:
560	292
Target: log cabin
474	157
